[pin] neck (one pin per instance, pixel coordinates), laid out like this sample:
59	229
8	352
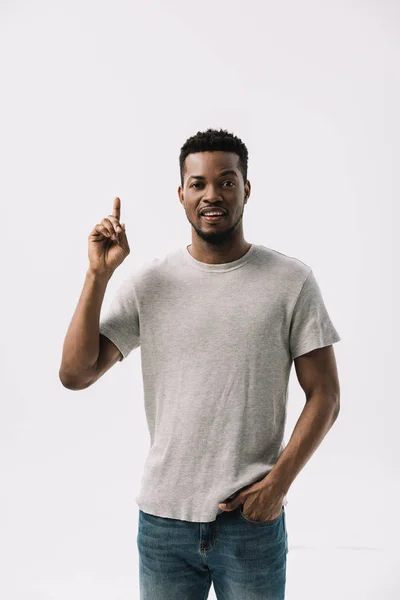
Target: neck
218	255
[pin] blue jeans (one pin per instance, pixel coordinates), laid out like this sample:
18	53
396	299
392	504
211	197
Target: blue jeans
244	559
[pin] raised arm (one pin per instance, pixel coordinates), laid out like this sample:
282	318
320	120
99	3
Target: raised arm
86	354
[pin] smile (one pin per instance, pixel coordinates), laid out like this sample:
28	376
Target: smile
212	219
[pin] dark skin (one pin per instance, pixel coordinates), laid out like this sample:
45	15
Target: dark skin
219	242
222	242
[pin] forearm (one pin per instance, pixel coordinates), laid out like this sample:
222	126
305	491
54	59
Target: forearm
316	419
81	344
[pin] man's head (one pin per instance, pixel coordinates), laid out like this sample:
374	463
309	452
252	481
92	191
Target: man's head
203	160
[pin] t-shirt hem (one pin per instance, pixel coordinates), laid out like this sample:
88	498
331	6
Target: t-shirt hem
112	335
313	345
151	510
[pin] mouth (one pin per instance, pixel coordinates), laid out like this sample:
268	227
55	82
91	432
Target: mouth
213	219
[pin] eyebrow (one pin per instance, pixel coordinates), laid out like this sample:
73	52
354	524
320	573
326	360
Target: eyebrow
226	172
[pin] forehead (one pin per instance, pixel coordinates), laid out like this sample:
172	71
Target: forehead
202	163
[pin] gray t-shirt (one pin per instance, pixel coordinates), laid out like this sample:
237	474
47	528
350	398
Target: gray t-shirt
217	345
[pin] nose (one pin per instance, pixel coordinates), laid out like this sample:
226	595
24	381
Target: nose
211	194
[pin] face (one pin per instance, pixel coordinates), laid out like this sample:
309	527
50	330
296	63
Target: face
207	186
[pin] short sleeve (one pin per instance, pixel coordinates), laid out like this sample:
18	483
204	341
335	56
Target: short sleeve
311	326
120	322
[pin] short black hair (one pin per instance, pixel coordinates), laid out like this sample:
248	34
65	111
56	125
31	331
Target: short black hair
214	140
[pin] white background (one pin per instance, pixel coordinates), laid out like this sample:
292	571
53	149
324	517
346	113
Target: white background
96	100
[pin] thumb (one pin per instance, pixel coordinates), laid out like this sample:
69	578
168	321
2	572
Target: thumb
232	502
229	505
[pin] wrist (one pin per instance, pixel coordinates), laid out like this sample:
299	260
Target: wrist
275	483
97	275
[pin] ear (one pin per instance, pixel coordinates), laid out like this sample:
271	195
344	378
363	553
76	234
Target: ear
247	190
180	195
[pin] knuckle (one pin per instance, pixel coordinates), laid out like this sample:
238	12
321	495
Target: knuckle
113	221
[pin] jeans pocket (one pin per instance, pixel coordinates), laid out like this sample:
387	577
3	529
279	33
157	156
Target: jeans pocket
260	523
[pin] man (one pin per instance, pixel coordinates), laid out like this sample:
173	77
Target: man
219	324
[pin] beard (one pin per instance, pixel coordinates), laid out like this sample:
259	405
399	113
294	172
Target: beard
219	235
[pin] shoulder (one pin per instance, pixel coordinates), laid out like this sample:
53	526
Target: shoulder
155	270
285	266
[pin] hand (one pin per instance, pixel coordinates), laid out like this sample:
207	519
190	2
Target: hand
108	244
261	502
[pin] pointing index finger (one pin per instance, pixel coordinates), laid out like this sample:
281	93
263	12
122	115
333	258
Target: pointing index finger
117	208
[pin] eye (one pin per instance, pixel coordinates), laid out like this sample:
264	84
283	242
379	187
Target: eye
227	181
